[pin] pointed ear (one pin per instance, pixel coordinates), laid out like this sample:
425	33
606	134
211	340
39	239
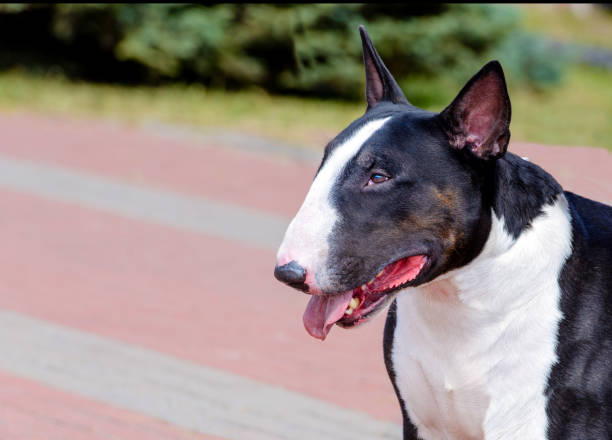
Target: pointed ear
479	117
380	85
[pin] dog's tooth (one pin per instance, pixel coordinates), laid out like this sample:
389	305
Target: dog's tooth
364	287
380	273
369	283
348	311
354	303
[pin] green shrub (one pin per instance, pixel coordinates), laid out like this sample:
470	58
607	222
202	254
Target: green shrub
309	49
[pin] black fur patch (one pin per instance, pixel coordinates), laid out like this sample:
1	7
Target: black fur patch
520	190
410	431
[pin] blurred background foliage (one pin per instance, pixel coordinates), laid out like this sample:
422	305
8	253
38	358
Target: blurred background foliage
307	50
291	49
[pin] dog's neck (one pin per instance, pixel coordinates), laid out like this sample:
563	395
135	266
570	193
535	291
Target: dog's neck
528	215
520	190
513	190
460	332
506	261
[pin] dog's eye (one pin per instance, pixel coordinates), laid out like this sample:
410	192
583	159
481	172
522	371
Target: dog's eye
377	178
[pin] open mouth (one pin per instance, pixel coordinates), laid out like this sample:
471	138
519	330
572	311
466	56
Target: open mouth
357	306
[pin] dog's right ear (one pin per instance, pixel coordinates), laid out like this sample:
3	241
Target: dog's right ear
479	117
380	85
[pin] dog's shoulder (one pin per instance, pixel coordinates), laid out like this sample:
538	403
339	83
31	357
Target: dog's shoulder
592	221
581	380
587	273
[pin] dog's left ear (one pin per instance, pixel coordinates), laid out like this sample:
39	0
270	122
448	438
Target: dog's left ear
479	117
380	84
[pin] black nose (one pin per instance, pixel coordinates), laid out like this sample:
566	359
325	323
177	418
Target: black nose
292	274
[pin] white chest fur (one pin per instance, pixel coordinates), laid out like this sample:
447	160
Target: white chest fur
473	349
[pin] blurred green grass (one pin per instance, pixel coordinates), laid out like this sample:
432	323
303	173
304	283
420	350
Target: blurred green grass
579	112
306	122
592	28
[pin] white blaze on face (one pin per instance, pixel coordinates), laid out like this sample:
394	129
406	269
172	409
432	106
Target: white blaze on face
306	239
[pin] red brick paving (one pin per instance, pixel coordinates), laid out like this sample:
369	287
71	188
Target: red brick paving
197	297
583	170
30	411
275	185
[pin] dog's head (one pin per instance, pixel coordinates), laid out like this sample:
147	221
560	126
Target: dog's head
402	196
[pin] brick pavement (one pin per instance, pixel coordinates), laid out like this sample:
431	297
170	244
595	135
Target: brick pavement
115	234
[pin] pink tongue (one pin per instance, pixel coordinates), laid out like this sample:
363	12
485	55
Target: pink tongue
323	311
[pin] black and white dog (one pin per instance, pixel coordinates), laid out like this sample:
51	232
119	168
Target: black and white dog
500	282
